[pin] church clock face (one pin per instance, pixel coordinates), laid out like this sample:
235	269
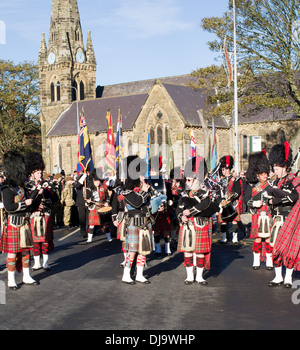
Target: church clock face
80	57
51	58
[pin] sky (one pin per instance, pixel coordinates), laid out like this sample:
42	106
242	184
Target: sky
133	39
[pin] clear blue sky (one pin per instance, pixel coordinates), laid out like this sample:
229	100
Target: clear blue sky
133	39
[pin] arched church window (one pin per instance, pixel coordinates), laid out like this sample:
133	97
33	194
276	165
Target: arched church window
159	136
74	97
58	91
52	92
81	90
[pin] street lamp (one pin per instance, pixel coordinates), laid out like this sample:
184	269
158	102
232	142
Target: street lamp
73	87
236	143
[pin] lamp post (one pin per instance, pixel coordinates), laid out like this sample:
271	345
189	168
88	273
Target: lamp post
236	143
73	87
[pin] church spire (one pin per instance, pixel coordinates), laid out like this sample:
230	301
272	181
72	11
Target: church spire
65	27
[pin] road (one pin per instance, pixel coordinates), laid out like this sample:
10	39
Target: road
83	291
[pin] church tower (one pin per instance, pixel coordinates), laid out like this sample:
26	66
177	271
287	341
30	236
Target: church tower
67	68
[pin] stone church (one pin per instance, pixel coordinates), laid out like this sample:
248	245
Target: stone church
166	108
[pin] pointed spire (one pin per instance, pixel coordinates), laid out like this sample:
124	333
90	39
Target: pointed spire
43	51
65	19
90	53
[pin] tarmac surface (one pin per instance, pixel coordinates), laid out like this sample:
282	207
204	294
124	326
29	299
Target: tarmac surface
83	291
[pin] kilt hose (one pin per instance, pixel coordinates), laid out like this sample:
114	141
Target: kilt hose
203	240
287	246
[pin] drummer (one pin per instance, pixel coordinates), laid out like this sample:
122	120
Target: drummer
96	197
233	191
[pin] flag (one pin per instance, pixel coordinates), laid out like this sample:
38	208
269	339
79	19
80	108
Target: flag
119	146
110	153
193	148
214	147
147	158
170	153
228	63
84	147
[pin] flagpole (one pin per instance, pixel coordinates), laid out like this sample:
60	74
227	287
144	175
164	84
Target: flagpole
236	143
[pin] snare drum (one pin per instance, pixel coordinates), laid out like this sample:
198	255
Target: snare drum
228	211
105	214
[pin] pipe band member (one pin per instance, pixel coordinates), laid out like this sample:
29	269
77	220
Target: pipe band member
257	175
233	189
40	220
16	239
194	211
285	203
139	238
96	196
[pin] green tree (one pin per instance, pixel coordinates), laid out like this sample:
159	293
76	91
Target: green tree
19	107
268	47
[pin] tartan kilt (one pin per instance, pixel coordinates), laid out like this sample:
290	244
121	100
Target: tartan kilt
131	243
287	245
162	222
49	230
94	218
10	239
203	237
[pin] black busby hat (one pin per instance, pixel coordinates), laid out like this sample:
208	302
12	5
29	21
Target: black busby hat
34	161
226	162
258	164
133	166
96	174
196	168
281	155
14	165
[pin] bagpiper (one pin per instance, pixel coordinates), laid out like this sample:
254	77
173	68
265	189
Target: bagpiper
257	176
16	238
232	192
285	235
40	219
138	230
195	209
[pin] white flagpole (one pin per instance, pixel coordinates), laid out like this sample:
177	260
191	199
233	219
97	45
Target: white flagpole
236	137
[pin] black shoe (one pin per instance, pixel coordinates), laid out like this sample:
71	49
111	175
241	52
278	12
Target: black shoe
13	287
203	283
187	282
275	284
287	285
131	283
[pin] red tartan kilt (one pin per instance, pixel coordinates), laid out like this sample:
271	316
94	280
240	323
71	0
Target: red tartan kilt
162	222
94	218
203	238
10	239
49	230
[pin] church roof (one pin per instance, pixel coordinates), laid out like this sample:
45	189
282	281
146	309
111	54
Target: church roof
130	98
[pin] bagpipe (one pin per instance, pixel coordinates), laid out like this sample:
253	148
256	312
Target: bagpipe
46	197
158	192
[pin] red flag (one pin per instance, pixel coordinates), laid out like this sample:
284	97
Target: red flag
110	153
228	63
